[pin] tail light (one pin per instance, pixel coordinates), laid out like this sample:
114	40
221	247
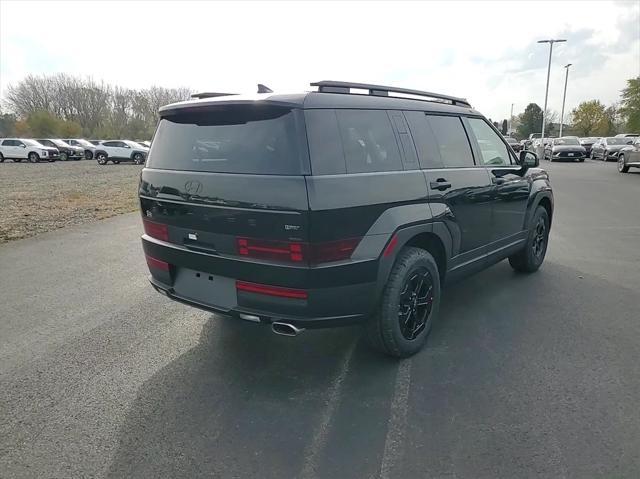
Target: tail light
157	264
273	250
271	290
156	230
297	252
333	250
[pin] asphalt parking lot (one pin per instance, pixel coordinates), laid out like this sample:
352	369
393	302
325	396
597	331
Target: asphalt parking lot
523	376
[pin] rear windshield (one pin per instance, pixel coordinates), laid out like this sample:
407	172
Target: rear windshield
238	139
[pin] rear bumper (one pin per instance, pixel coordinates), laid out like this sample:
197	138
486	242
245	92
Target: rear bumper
337	295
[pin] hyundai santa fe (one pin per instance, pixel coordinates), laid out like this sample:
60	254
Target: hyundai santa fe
354	203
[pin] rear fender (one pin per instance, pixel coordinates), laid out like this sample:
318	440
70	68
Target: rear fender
393	230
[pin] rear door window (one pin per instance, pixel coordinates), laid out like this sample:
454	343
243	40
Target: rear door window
452	141
424	140
228	139
368	141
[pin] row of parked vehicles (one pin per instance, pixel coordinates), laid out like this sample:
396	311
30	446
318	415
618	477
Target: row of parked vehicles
52	149
623	148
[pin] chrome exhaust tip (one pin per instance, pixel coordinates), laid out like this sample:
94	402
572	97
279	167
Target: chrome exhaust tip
285	329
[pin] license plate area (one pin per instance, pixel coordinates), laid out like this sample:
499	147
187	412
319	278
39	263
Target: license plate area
205	288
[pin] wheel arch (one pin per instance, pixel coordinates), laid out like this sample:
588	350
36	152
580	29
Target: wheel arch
433	237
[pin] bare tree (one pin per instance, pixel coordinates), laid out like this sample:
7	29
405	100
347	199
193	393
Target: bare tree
101	109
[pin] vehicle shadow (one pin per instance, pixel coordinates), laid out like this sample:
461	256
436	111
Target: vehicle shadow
242	401
247	403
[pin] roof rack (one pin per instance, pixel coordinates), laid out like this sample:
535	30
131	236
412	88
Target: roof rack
329	86
210	94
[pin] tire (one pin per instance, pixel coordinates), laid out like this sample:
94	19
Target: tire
64	156
138	159
1	158
34	158
102	158
116	162
530	258
88	155
604	156
414	277
581	160
622	168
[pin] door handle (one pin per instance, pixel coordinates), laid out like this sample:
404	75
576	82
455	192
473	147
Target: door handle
497	181
440	184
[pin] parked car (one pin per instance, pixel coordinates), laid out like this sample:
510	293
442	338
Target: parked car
626	135
513	143
629	156
587	143
18	149
528	143
259	210
564	148
121	150
608	148
67	152
88	147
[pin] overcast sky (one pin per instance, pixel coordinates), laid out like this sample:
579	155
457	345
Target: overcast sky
484	51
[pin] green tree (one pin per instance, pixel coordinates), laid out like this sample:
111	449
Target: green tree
69	129
590	119
505	125
7	124
43	124
630	105
530	121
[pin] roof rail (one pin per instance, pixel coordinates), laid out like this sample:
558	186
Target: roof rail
210	94
330	86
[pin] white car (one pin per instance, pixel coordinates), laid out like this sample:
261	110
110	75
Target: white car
121	150
89	148
18	149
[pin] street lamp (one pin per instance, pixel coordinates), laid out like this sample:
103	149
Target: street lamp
564	96
546	93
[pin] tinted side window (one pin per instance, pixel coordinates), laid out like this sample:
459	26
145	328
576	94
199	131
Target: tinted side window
424	140
368	141
110	143
492	150
452	141
7	143
325	145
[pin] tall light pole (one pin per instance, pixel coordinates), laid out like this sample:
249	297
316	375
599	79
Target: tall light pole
564	96
546	92
511	120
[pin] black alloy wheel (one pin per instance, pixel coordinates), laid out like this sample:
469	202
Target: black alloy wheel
415	305
539	243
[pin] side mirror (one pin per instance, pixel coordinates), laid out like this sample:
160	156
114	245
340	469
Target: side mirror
529	159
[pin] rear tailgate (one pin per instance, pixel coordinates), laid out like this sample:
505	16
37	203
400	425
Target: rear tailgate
209	212
224	199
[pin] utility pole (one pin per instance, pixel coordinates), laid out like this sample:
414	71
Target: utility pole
564	96
546	92
511	120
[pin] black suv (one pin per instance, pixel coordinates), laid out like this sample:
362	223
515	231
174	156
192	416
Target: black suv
327	208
